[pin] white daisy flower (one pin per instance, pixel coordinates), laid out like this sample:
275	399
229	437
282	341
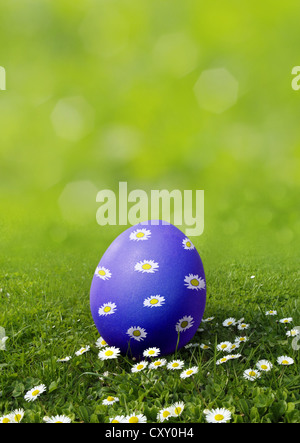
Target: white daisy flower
229	322
207	319
234	346
224	346
189	372
103	273
151	352
204	346
109	352
187	244
240	339
293	333
137	333
222	360
264	365
251	374
140	234
234	356
35	392
135	418
149	266
110	400
107	308
271	312
286	320
8	418
184	323
177	408
138	367
82	350
242	326
175	364
17	415
164	414
154	301
285	361
101	343
219	415
117	419
68	358
57	419
194	282
158	363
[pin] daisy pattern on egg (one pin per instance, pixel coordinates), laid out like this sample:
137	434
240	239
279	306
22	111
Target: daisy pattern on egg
194	282
187	244
140	234
107	309
103	273
154	301
137	333
184	323
149	266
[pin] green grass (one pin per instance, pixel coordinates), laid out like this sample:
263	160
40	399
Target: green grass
45	312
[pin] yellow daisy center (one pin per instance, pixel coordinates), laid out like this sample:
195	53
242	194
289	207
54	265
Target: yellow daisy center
229	323
109	398
175	365
108	353
35	392
151	352
285	362
133	420
219	417
139	367
264	367
136	333
58	422
157	363
115	421
153	301
101	272
188	244
6	420
103	342
146	266
18	417
195	282
252	373
184	324
165	414
223	346
177	410
140	234
189	372
107	309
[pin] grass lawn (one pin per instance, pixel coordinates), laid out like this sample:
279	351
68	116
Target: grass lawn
46	316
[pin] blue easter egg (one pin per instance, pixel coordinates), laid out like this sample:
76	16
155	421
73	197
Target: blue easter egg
149	290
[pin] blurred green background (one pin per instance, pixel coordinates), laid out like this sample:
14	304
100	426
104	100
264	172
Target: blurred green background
163	94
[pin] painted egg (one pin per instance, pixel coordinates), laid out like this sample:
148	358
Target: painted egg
149	290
